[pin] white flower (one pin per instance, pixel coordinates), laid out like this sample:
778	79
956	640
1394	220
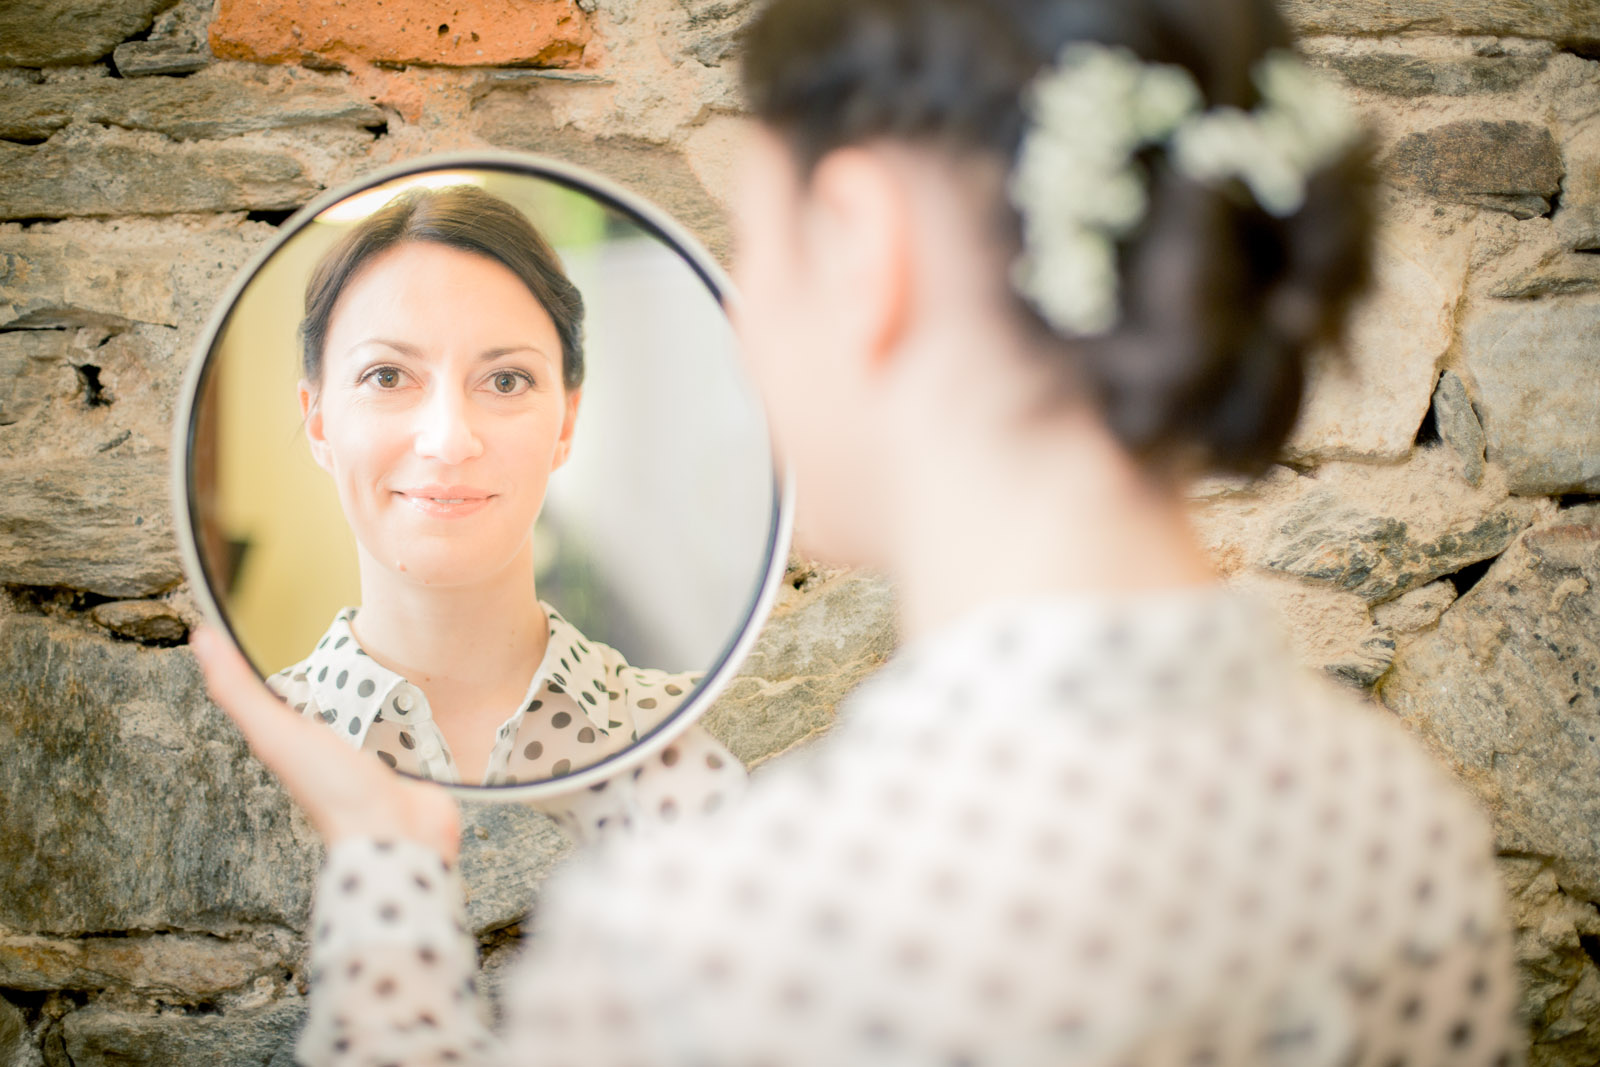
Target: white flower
1078	189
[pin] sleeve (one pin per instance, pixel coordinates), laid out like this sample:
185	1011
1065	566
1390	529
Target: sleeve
393	967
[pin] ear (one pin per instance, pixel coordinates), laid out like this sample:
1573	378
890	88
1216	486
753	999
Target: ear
569	422
311	422
860	233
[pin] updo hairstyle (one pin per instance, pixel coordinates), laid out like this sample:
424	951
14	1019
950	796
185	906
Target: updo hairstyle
1221	303
463	217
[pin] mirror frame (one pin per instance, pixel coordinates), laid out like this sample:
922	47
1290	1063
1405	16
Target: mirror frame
653	221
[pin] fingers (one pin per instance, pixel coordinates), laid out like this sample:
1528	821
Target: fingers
233	684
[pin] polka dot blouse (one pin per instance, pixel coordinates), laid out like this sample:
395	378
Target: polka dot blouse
583	704
1059	832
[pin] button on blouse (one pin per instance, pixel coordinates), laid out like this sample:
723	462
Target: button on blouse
1096	831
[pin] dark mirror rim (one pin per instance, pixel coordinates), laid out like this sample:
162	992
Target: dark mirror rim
652	220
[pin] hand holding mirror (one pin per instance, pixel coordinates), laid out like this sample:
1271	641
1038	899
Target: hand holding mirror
470	472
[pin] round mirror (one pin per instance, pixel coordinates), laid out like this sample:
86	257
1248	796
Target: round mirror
469	445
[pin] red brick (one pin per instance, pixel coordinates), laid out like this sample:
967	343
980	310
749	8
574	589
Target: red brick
463	33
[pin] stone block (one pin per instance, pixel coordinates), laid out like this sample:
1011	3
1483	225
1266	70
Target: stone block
1513	167
138	59
816	647
1458	425
1507	690
1417	610
1537	373
479	33
1560	981
506	851
100	525
99	1036
1570	23
13	1033
184	108
129	801
47	33
714	28
33	367
165	965
151	621
1331	538
50	281
1400	71
1369	405
57	180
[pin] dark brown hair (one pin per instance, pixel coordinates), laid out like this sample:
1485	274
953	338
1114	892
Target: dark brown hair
462	217
1221	303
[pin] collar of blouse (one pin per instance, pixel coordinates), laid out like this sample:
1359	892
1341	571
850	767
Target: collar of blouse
355	690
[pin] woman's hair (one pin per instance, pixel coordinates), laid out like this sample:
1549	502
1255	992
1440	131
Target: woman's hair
1222	303
462	217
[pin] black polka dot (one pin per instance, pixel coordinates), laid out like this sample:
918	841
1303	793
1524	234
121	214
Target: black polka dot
562	767
670	756
673	691
344	676
560	720
329	715
390	912
587	734
355	727
1461	1034
365	688
350	884
590	697
534	750
341	642
535	705
385	987
554	688
387	758
714	761
407	741
647	703
322	675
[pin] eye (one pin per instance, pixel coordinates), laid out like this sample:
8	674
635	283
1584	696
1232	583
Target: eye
385	377
510	382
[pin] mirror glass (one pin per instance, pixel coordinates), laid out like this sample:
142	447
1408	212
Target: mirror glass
377	531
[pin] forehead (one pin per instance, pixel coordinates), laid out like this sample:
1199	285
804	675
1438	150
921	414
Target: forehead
433	294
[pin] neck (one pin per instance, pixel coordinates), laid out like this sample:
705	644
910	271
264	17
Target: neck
1055	510
484	636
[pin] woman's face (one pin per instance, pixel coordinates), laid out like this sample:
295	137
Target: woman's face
440	413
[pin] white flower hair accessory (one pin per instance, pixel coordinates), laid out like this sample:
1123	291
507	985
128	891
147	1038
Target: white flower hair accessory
1078	189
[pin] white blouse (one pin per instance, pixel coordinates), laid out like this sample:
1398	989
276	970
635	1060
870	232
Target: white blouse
1058	832
584	703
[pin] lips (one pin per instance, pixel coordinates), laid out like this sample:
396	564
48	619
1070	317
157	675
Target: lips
446	501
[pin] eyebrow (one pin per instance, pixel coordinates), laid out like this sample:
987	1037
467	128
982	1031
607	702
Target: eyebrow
416	353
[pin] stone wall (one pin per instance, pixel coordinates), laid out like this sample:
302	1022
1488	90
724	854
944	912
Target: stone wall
1433	534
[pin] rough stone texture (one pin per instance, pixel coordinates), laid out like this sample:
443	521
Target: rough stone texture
162	964
1513	167
1458	425
130	853
479	33
105	1037
1508	690
50	282
58	180
1417	610
1567	22
43	33
33	366
152	621
1537	372
13	1033
1329	630
1370	407
813	651
184	108
114	508
1408	67
137	59
1561	984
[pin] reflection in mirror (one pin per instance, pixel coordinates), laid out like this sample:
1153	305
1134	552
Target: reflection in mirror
475	478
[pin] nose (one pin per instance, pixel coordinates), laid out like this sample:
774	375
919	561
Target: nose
444	429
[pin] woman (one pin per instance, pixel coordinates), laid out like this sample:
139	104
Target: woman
1009	271
443	367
